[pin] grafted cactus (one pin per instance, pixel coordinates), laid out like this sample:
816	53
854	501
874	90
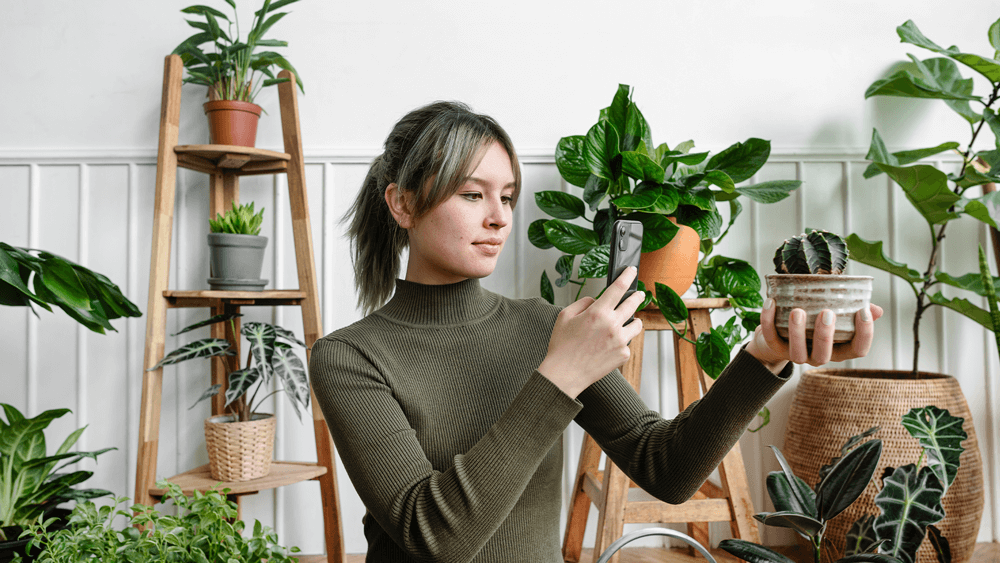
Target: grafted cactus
819	252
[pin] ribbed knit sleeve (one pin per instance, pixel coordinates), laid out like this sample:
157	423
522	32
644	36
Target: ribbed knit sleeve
441	516
670	459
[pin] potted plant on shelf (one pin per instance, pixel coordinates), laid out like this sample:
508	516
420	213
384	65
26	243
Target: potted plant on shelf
676	195
204	529
235	71
241	444
236	249
30	485
940	198
811	277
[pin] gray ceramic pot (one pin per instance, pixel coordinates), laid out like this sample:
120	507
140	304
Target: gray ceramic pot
236	261
844	295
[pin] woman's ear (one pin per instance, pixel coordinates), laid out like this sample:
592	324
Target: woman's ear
398	206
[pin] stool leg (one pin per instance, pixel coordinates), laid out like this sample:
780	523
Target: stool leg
612	521
576	523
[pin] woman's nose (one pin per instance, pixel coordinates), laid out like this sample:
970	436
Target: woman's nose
498	215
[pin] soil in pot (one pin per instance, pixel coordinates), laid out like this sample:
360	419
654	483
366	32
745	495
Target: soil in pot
844	295
231	122
675	265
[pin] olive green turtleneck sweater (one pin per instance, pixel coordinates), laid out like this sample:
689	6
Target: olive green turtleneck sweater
453	439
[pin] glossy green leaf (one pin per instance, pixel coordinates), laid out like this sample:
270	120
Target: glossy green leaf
941	436
564	266
594	152
671	305
970	282
847	480
261	337
240	381
870	253
910	500
639	286
927	189
637	131
700	197
10	272
638	165
942	73
805	525
909	33
618	110
62	280
657	230
594	191
784	500
570	161
636	201
666	203
545	288
741	160
964	307
203	10
570	238
560	204
801	498
752	553
720	179
708	224
536	234
904	84
906	157
291	372
861	536
603	225
771	191
594	263
209	321
712	352
682	158
942	548
845	449
732	276
204	348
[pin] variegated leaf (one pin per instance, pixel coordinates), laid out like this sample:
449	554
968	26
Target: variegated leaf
941	434
910	500
210	321
292	373
208	394
240	382
288	335
261	337
204	348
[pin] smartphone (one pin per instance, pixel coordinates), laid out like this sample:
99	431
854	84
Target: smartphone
626	245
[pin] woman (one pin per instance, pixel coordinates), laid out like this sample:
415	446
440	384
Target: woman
448	402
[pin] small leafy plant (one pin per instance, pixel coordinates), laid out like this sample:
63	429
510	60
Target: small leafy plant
231	70
29	276
205	530
29	480
240	220
271	356
819	252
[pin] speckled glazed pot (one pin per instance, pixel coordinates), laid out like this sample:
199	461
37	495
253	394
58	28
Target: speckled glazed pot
844	295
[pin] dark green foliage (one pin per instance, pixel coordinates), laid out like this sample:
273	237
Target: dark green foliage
819	252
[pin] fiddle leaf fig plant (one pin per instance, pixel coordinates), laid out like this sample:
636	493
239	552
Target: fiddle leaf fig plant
939	196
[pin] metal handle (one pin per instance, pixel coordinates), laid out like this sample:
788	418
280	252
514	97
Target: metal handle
620	542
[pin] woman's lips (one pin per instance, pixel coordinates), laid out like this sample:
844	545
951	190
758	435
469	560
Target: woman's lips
489	248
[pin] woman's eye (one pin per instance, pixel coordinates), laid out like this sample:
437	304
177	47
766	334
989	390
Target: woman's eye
506	199
471	196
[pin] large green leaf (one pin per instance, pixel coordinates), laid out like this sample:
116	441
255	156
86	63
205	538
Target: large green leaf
974	312
910	500
594	263
847	480
771	191
708	224
800	497
294	379
847	447
560	204
536	234
61	279
570	161
637	131
545	288
801	523
595	154
870	253
942	73
902	157
732	276
803	500
209	321
10	272
741	160
861	536
712	352
970	282
204	348
570	238
594	191
207	394
720	179
941	435
942	548
994	35
927	189
904	84
564	266
671	305
261	337
700	197
985	208
288	336
752	553
657	230
638	165
240	381
989	68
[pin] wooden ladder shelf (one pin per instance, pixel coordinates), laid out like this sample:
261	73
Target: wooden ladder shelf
225	164
609	489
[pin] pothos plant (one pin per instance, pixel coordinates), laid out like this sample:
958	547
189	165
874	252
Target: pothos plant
938	196
270	356
623	175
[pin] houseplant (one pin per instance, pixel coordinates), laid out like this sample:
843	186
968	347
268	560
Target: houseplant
939	197
811	277
676	195
35	277
30	485
204	530
236	249
235	71
270	357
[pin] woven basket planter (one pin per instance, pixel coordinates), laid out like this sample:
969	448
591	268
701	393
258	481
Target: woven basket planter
831	405
239	451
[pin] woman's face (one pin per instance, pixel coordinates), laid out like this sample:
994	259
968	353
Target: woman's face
462	237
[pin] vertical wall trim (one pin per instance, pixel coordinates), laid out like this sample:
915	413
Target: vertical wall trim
83	258
34	213
326	250
893	293
131	325
801	196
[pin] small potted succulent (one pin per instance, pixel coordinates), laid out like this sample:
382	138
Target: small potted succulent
811	277
270	357
235	72
236	249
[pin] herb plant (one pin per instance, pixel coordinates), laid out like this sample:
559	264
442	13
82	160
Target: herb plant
231	70
270	356
240	220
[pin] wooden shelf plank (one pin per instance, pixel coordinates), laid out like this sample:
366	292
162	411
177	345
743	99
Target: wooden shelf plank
231	159
282	473
210	298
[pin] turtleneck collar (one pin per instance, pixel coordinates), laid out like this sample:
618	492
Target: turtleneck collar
439	305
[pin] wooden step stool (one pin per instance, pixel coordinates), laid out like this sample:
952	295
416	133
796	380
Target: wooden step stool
608	489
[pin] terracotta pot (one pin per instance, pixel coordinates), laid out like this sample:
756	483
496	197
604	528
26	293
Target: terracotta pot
844	295
831	405
239	451
231	122
675	265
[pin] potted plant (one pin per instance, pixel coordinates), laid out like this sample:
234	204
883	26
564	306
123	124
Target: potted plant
676	195
228	436
30	485
811	277
235	71
825	396
204	529
236	249
35	277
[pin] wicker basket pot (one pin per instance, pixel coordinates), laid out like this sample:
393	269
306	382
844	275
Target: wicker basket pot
239	451
831	405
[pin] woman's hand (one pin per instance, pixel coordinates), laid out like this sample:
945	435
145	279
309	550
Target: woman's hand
588	340
774	352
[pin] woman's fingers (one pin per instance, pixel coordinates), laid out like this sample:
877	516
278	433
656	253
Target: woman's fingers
578	306
864	334
822	341
797	351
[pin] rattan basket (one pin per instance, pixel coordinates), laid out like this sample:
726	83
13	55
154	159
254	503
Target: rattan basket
239	451
831	405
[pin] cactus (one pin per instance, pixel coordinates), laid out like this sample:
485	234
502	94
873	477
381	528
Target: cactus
819	252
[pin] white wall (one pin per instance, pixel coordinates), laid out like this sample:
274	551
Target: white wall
78	126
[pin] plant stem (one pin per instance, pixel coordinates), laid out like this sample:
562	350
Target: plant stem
817	541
